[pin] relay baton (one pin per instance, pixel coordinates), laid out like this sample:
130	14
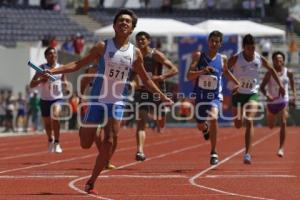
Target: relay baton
40	70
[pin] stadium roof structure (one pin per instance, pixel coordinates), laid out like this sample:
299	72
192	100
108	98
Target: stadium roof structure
157	27
240	27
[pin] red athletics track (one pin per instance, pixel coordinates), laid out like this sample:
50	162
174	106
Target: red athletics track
177	168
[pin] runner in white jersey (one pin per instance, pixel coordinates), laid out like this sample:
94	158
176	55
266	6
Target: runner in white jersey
277	105
51	95
245	66
116	58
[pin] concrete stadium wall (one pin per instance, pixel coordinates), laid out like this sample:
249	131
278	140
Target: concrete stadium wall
14	72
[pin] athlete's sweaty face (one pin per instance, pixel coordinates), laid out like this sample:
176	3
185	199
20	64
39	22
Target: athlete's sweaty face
142	42
249	50
214	43
123	25
51	56
278	61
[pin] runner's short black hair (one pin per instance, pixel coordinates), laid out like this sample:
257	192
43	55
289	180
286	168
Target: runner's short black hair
278	53
248	40
127	12
48	49
216	34
143	33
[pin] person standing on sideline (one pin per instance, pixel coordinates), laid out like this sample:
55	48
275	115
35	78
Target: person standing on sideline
207	69
117	58
154	61
246	66
50	97
277	106
21	112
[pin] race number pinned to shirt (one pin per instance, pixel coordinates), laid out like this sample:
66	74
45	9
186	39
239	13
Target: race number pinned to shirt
247	83
208	82
117	72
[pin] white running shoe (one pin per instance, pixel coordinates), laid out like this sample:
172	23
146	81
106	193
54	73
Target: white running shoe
57	148
280	152
51	146
247	159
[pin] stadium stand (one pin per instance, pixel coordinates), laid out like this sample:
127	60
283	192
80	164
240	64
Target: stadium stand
105	16
32	24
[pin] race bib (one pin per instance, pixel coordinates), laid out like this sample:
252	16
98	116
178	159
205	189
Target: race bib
247	83
117	72
55	88
208	82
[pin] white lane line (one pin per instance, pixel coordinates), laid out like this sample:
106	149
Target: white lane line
251	176
88	156
144	176
46	152
193	178
72	183
37	176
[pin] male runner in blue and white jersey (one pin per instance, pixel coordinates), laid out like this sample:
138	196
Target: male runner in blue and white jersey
246	65
117	57
207	69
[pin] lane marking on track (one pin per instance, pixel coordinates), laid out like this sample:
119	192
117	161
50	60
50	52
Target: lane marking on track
89	155
193	178
251	176
37	176
144	176
72	183
46	152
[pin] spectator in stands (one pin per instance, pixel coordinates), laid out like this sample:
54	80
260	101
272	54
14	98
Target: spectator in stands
68	46
78	43
210	4
34	109
145	3
21	112
101	3
2	108
9	112
53	42
46	41
292	49
289	24
167	6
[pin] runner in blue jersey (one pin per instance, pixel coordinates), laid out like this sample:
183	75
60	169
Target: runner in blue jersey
207	70
117	58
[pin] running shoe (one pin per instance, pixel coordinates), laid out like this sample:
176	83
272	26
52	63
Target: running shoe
214	159
247	159
51	146
57	148
110	166
280	152
205	132
89	189
140	156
